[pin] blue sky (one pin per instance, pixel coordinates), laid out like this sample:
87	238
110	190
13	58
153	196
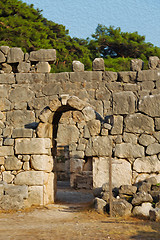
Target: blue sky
81	17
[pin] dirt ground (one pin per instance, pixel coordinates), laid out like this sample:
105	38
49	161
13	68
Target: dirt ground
73	221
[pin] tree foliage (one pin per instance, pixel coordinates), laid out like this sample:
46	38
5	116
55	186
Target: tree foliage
115	43
23	26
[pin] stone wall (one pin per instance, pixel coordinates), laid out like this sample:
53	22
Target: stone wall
118	116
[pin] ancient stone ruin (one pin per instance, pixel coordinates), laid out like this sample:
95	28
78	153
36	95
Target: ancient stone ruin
69	124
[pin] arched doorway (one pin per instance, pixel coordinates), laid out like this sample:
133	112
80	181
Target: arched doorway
65	121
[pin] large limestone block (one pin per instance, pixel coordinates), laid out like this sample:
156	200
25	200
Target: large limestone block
30	78
6	151
45	130
153	62
67	134
13	190
77	66
5	104
11	203
76	103
94	127
121	172
7	176
147	164
43	67
7	78
98	64
136	65
20	94
12	163
110	76
150	105
121	208
31	178
141	197
76	165
89	113
129	150
4	49
148	75
35	195
124	102
117	125
15	55
32	146
22	133
43	55
50	189
143	210
20	118
153	148
46	115
139	123
101	146
42	163
146	140
24	67
129	138
2	57
127	76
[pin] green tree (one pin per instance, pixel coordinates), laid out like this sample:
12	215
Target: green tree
115	43
23	26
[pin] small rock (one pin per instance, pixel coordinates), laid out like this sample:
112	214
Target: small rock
100	205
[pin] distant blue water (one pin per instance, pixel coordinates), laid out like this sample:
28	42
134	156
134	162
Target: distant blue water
81	17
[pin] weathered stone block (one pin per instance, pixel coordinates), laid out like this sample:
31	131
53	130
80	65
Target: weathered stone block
5	105
98	64
15	55
148	75
157	123
143	210
35	195
31	178
45	130
121	172
127	77
2	57
12	163
129	138
139	123
136	65
94	127
147	164
89	113
13	190
77	66
42	163
8	142
30	78
100	205
109	76
153	149
86	76
20	118
7	78
21	94
23	67
22	133
1	160
43	55
153	62
117	125
77	154
121	208
4	49
101	146
43	67
103	93
32	146
124	102
45	115
154	214
76	103
11	203
76	165
146	140
50	189
6	151
7	176
129	150
127	189
67	134
140	198
150	105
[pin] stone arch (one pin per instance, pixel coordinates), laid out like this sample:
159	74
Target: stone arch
49	120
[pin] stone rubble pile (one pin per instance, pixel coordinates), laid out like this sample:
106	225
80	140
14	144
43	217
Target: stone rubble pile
14	60
141	200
